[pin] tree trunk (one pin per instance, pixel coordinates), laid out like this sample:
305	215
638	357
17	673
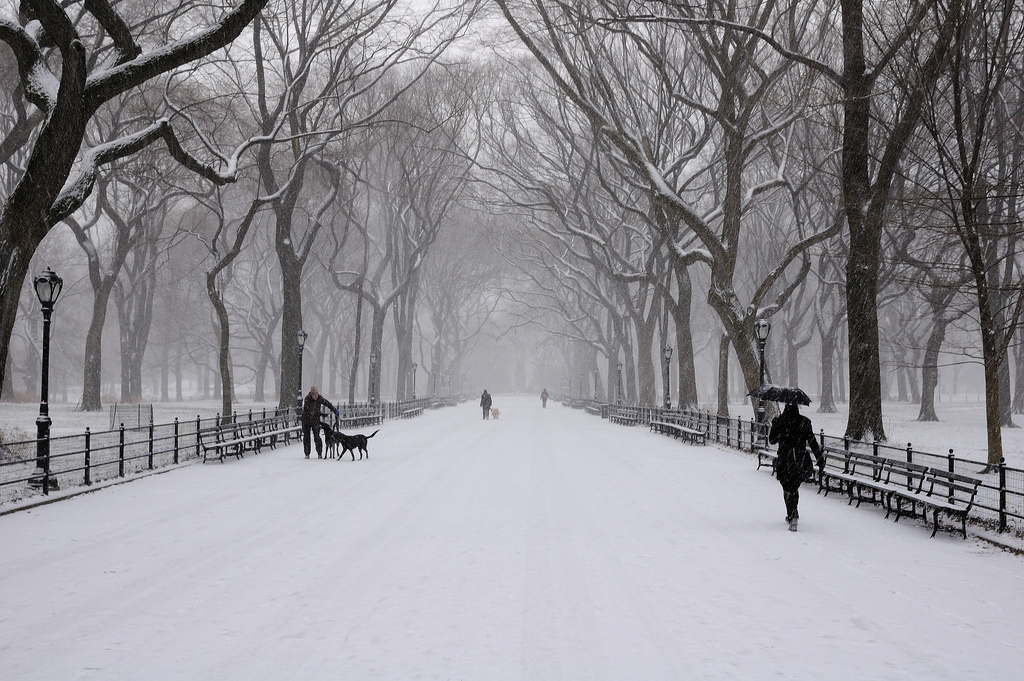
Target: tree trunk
930	368
223	344
827	403
290	387
723	375
92	379
1018	387
688	398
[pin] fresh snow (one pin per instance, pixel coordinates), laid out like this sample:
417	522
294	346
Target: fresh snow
546	545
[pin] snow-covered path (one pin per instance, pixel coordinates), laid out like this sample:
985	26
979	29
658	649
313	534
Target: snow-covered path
546	545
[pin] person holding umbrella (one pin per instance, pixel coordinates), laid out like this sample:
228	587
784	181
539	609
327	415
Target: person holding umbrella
794	434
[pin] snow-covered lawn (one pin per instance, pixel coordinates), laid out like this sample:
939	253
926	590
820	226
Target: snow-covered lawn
547	545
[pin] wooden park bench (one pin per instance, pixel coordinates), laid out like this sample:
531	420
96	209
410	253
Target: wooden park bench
678	430
899	486
238	436
624	416
229	439
359	416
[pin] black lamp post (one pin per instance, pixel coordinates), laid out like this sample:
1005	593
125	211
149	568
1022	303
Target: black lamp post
373	376
300	338
414	365
668	376
618	392
48	286
761	330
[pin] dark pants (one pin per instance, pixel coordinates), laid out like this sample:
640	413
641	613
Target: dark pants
543	401
316	436
787	469
487	412
791	495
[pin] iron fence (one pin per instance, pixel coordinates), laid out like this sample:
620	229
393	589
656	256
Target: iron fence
92	457
999	502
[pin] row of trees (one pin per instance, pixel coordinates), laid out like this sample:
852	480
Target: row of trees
827	165
880	140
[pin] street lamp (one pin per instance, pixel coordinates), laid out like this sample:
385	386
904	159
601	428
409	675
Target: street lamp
668	377
618	392
414	365
373	375
48	286
761	330
300	339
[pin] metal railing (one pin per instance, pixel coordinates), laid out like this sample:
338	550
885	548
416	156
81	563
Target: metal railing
92	457
999	503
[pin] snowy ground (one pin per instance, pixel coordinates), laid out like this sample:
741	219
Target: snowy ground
546	545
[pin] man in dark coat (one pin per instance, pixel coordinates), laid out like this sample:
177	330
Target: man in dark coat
544	398
794	434
485	402
311	419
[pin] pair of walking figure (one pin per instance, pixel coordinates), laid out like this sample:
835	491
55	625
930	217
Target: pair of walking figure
794	435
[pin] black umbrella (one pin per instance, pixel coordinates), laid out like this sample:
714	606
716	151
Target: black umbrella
780	393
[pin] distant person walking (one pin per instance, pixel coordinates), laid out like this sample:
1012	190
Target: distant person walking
311	419
794	435
544	398
485	404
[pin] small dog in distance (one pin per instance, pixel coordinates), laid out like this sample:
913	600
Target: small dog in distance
495	413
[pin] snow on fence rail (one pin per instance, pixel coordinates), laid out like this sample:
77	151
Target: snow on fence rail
92	457
1000	498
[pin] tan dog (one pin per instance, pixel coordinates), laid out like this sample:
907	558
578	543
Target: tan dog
495	413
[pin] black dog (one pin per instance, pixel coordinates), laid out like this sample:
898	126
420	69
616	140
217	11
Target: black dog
331	439
350	443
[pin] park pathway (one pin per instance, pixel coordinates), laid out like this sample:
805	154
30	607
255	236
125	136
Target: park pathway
546	545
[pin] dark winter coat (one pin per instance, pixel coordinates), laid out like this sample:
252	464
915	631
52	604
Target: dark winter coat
311	409
485	400
794	435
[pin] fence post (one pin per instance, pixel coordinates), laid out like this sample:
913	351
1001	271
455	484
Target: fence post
120	453
175	440
1002	494
88	455
910	454
751	434
874	447
822	437
846	443
151	444
199	422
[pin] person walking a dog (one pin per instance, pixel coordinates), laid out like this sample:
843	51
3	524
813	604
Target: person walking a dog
544	398
794	434
311	419
485	403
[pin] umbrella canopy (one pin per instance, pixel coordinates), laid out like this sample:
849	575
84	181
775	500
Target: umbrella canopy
780	393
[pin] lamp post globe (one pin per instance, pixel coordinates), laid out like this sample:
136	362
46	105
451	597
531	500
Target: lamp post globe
48	287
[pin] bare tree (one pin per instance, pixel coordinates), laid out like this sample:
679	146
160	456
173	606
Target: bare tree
94	69
729	90
964	121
